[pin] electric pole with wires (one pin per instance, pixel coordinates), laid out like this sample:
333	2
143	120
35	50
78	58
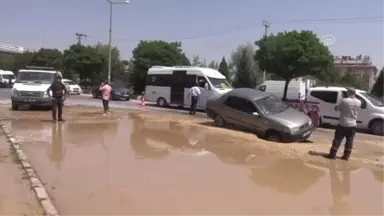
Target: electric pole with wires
266	26
79	37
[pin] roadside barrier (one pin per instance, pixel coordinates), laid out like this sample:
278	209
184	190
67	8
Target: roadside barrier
142	104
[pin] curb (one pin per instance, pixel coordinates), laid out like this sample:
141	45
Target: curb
36	184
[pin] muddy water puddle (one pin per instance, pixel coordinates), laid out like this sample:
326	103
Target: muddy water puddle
132	165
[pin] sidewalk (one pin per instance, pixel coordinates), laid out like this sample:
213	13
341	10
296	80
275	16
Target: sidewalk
15	196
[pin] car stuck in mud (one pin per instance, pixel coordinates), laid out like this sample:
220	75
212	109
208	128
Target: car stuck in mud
260	112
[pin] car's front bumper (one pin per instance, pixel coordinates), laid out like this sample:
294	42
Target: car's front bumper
34	101
297	137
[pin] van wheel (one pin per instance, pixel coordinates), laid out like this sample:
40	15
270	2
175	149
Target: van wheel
273	136
377	127
219	121
161	102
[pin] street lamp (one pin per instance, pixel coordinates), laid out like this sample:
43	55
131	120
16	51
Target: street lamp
111	3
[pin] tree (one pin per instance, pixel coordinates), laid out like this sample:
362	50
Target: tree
213	65
117	65
150	53
85	61
246	69
293	54
47	58
377	88
223	68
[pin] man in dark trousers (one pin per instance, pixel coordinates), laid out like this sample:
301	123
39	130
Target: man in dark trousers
194	92
59	92
346	127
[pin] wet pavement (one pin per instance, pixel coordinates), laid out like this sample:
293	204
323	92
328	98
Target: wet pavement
135	163
16	197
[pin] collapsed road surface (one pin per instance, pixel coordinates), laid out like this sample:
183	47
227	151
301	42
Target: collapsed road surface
143	163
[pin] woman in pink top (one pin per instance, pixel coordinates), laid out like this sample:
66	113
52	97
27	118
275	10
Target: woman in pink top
105	89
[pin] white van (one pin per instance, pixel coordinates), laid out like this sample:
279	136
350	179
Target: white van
370	117
31	85
4	78
170	85
296	88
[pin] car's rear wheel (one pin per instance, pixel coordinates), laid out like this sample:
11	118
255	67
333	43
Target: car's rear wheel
219	121
161	102
273	136
377	127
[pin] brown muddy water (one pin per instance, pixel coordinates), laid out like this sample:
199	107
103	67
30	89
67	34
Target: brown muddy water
135	165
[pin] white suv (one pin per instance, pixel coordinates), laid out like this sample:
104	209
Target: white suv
370	117
31	86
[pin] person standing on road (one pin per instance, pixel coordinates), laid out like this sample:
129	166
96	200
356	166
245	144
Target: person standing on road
346	127
105	89
59	92
195	92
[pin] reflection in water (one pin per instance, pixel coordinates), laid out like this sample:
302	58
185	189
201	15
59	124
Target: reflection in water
56	151
379	175
79	133
139	142
341	189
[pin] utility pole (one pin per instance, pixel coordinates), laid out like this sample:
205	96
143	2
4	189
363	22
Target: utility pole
79	36
266	26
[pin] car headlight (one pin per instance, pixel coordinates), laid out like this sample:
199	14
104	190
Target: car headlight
294	129
14	92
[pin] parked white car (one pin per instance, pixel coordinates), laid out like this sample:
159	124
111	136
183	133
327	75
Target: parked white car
74	89
370	117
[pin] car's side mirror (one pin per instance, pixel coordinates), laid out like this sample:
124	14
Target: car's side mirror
255	114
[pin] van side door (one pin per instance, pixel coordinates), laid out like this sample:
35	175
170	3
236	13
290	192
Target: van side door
206	92
328	100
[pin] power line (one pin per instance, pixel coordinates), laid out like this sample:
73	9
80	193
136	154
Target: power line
348	20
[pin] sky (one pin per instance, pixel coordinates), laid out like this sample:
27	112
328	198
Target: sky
208	28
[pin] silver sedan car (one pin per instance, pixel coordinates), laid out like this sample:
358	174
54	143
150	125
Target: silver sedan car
260	112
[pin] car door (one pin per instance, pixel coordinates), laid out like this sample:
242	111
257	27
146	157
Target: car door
237	112
363	115
328	100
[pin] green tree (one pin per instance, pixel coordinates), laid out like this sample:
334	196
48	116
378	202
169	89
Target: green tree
293	54
7	62
117	65
377	88
223	68
85	61
150	53
213	65
246	71
47	58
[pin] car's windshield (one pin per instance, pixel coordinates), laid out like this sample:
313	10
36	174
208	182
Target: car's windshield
220	83
8	76
37	77
373	99
271	105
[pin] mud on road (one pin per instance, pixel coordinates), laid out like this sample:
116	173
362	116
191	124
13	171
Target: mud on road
162	163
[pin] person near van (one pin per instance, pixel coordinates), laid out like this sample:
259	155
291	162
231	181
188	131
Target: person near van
105	89
59	92
194	92
346	127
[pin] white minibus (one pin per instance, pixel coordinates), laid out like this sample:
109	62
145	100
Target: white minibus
169	86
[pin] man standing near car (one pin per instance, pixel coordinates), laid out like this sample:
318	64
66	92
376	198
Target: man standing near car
346	127
59	92
194	92
105	89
